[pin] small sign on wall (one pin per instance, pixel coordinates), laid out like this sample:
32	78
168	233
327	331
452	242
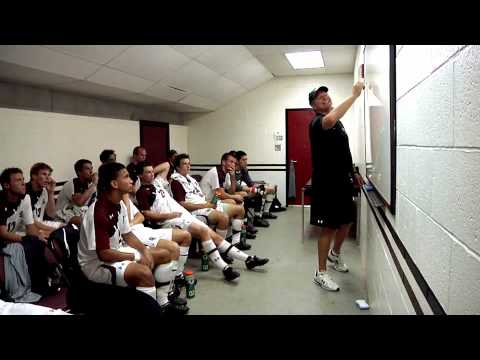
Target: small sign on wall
277	140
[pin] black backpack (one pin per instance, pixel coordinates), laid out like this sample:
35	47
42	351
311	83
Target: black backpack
63	243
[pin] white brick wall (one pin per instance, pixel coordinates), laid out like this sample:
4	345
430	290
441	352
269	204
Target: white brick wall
438	168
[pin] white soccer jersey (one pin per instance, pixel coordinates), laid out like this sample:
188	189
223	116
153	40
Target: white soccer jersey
65	206
102	228
15	216
193	191
211	181
39	206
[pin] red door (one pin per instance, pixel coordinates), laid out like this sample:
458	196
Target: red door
155	138
298	149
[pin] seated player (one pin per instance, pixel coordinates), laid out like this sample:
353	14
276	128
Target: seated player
139	154
175	241
218	181
108	155
17	226
41	190
171	155
160	208
108	251
77	194
187	192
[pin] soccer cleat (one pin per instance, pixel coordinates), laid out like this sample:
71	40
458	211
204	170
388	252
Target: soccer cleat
259	222
254	261
179	281
250	236
170	309
242	245
337	261
325	282
251	229
230	274
269	215
174	297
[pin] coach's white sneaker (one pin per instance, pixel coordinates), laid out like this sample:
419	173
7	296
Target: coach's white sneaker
337	261
324	280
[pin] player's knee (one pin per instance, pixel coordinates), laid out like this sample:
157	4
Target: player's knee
186	238
144	276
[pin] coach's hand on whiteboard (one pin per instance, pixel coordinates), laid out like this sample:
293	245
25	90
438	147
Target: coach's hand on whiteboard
358	87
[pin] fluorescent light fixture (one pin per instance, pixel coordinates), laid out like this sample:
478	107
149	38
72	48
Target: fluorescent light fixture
305	59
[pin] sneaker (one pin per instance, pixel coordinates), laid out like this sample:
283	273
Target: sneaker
258	221
230	274
226	258
269	215
253	261
325	282
173	309
337	261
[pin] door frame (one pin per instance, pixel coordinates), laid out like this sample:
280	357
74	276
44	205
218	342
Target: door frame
286	148
154	124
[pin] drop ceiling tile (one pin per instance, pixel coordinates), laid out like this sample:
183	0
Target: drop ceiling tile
223	89
118	79
223	58
249	74
192	77
152	62
41	58
192	51
200	102
165	92
100	54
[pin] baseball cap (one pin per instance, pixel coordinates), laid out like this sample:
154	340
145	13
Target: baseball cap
313	94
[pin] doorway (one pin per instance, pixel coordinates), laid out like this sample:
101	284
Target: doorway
155	138
298	149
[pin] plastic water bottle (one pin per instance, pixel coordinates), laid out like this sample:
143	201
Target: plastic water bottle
204	262
243	234
190	284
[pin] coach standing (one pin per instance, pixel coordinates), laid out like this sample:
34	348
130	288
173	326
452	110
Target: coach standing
333	177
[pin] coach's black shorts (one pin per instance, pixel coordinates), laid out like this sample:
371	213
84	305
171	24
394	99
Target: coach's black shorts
332	205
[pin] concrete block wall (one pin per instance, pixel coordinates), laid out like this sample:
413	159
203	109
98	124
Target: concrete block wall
438	166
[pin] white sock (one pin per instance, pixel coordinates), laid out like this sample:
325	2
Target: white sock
222	233
217	260
236	230
234	252
151	290
182	259
163	277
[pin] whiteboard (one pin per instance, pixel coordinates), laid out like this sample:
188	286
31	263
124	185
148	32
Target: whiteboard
379	120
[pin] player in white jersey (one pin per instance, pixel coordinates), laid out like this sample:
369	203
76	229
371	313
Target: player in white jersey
175	241
187	192
77	194
41	189
16	221
160	208
108	250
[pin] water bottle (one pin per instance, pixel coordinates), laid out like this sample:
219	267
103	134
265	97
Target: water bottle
190	284
243	234
204	262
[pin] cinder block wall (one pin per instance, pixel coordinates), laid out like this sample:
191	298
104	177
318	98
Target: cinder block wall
438	169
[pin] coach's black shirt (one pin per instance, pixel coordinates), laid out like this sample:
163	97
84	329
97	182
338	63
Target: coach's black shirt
331	157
